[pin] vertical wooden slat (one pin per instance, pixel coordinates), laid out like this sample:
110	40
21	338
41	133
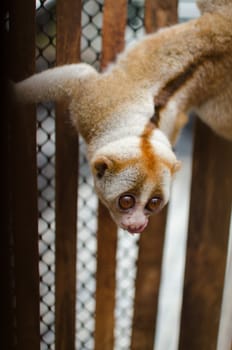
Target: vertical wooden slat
113	31
152	240
210	210
23	195
147	283
113	42
68	51
160	13
105	281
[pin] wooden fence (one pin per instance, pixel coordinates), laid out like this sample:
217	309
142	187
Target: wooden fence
209	217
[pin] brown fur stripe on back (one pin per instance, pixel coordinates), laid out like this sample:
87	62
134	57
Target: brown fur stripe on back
178	82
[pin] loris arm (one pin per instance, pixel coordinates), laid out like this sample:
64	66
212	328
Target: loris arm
212	5
52	84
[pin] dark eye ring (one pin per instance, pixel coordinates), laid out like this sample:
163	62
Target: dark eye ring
154	204
126	202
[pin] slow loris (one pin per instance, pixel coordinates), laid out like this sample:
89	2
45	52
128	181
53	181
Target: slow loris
130	114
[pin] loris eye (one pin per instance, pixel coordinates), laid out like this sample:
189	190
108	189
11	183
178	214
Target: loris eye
154	204
126	202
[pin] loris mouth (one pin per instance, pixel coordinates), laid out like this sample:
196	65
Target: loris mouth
135	229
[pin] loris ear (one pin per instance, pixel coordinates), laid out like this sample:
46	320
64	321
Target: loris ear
53	84
100	165
176	166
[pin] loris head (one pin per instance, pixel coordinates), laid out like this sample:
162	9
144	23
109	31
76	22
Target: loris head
134	166
133	177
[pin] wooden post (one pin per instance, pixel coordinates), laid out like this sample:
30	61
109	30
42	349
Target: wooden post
68	51
114	23
160	13
152	240
6	233
210	211
147	284
23	181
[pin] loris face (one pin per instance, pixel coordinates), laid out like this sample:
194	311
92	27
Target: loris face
133	178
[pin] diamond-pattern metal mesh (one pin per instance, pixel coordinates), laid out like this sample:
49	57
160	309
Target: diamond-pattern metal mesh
87	202
91	21
45	58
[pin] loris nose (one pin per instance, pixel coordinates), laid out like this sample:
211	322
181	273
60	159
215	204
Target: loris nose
137	228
